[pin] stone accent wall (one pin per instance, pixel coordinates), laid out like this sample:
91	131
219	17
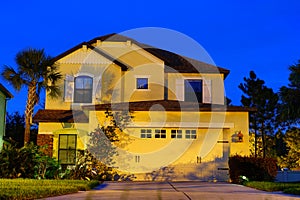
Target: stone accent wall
46	139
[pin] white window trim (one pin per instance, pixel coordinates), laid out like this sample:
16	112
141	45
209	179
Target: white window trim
179	87
96	80
142	76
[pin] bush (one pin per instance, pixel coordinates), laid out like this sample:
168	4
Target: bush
26	162
255	169
90	168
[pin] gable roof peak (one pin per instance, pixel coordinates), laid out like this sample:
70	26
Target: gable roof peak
178	63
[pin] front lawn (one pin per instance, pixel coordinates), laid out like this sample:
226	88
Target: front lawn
290	188
34	189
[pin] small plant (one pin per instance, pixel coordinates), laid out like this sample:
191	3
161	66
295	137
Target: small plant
47	168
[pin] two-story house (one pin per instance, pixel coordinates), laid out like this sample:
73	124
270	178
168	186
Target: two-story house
180	117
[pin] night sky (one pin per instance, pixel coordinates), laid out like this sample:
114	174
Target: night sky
263	36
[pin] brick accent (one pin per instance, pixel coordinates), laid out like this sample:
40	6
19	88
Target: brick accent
46	140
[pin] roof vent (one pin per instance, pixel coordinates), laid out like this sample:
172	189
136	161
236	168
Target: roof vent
99	42
84	47
128	43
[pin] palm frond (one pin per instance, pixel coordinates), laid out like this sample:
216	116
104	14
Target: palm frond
53	91
54	77
42	85
13	77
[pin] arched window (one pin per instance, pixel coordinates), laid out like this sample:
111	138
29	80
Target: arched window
83	90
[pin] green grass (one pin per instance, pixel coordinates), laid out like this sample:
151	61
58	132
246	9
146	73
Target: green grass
289	188
33	189
295	191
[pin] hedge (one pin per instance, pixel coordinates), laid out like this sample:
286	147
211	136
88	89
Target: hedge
255	169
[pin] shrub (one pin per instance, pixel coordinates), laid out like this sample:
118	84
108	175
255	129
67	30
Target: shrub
47	167
26	162
255	169
90	168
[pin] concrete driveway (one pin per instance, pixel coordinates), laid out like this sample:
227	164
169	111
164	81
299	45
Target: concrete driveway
174	191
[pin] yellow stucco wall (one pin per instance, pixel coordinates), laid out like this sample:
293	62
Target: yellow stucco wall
171	120
216	80
205	123
110	84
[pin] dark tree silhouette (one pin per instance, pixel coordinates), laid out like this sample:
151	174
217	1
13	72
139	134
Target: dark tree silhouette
258	95
290	97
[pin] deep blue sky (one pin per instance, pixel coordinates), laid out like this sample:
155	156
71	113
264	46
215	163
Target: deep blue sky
263	36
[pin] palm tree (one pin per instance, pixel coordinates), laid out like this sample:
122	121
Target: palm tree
36	71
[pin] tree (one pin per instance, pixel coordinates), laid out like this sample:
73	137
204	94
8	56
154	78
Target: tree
259	96
15	126
292	140
105	139
290	97
36	71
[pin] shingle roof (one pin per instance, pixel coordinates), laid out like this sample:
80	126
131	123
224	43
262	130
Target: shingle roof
166	105
69	116
174	61
5	91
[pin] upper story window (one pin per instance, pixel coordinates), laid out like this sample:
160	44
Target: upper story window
83	89
142	83
193	90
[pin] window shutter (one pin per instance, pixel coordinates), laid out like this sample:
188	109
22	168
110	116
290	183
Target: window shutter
97	89
207	97
69	88
179	89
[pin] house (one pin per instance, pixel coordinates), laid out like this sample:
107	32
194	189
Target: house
4	96
181	126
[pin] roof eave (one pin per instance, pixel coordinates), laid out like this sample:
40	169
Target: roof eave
5	92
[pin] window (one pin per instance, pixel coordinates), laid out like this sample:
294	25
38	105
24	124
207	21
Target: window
190	134
83	89
193	90
142	83
160	133
176	133
67	148
146	133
